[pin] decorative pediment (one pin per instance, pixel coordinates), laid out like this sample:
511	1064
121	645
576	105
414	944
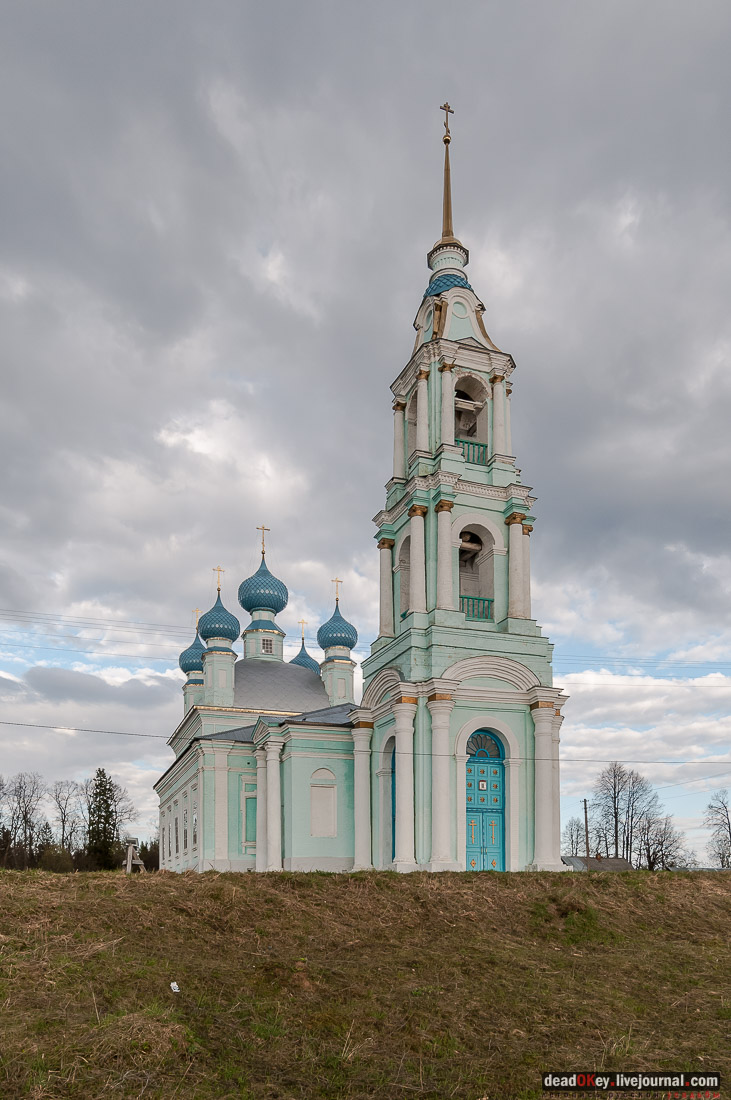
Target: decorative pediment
497	668
384	681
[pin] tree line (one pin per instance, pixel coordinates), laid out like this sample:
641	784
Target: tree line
627	819
65	825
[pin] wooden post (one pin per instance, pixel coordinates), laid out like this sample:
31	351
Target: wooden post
586	833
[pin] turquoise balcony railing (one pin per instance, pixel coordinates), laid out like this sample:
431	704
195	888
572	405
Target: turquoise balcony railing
475	607
473	452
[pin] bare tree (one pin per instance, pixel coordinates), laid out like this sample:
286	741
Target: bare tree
660	845
64	795
572	838
26	791
718	820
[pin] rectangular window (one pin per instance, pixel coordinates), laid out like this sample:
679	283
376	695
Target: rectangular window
323	819
195	824
185	829
162	843
267	645
177	837
222	677
170	847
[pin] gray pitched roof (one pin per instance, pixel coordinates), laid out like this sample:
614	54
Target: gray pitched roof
273	685
606	863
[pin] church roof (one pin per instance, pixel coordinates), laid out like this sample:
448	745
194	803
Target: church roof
263	591
219	623
191	659
273	685
446	282
337	631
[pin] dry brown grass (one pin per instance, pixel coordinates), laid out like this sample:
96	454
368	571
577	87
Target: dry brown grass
367	985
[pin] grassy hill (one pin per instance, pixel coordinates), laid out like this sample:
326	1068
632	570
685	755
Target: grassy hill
366	985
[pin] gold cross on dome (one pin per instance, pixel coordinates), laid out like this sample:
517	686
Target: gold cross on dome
196	612
337	582
218	570
303	624
447	112
263	529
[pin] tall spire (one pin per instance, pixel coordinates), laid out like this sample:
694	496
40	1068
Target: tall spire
447	227
448	253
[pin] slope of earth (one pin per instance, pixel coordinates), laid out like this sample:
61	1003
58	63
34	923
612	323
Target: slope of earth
366	985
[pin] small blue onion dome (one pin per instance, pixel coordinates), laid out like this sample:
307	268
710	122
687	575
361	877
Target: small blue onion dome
191	659
263	592
337	631
219	623
303	658
445	282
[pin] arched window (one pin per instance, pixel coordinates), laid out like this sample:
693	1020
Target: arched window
404	567
411	413
323	803
471	418
482	744
476	572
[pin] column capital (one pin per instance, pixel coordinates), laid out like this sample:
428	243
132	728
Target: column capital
496	378
273	747
508	389
440	697
385	544
418	510
543	704
260	755
362	740
423	373
447	367
527	528
444	506
514	517
405	700
362	724
398	405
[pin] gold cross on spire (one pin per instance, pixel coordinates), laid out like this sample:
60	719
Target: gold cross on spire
303	624
337	582
196	612
447	112
218	570
263	529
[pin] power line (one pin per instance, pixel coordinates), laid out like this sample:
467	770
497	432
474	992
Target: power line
80	729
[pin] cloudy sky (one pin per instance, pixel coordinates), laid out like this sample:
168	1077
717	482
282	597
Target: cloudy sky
214	221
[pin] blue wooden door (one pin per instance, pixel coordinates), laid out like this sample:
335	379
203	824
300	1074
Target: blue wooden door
485	809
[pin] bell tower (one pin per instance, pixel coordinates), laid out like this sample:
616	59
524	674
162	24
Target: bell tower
457	643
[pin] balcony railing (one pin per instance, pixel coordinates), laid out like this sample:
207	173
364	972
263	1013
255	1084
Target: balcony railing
476	607
475	453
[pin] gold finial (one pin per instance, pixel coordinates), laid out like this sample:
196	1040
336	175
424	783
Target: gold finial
263	529
303	624
337	582
196	612
447	112
218	570
447	227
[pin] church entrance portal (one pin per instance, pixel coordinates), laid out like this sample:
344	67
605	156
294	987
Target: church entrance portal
485	803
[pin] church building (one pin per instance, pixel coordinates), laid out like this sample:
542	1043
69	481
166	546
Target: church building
450	761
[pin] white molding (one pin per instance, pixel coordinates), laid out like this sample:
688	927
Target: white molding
386	679
498	668
477	519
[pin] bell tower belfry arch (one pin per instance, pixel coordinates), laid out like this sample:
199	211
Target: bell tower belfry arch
456	635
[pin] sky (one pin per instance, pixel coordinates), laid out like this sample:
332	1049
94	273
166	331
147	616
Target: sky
213	227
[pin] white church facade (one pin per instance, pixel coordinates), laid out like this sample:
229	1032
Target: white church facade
450	761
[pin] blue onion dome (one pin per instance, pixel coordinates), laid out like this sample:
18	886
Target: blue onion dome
303	658
263	592
445	282
337	631
219	623
191	659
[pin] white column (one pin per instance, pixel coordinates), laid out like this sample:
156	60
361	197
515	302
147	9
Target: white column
512	817
508	422
556	786
417	559
515	566
543	715
404	712
399	461
220	815
274	806
440	708
447	402
422	411
385	628
498	414
527	528
362	797
445	580
261	810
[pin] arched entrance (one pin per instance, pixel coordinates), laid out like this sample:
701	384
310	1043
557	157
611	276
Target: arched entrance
485	803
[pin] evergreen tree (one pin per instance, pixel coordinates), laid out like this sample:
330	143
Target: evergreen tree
103	836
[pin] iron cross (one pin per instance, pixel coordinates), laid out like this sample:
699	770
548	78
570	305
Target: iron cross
218	570
447	112
337	582
263	529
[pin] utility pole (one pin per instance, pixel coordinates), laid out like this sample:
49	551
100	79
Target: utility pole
586	832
